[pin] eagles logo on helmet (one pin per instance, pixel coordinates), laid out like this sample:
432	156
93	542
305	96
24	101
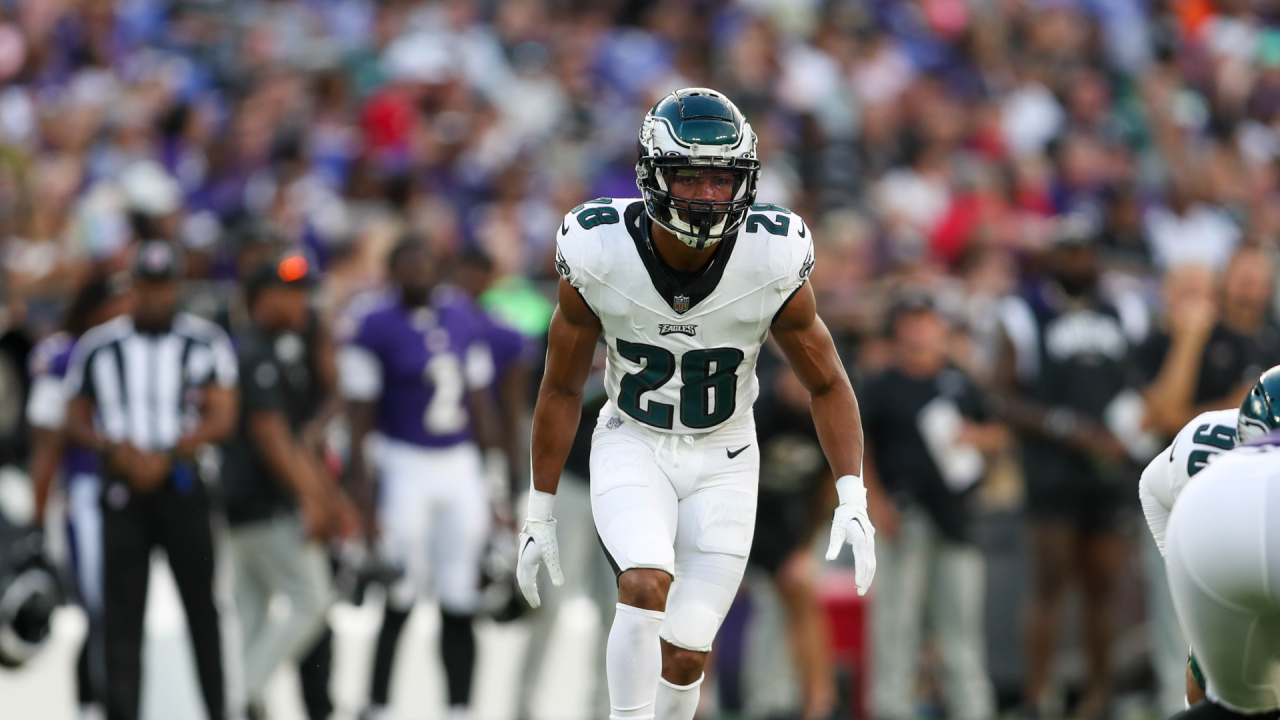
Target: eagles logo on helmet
696	129
1260	411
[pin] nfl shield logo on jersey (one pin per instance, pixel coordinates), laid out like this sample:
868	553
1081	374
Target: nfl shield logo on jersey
680	303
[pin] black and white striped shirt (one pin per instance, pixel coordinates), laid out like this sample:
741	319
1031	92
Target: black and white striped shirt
145	386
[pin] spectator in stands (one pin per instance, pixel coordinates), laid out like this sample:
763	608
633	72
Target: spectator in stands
1063	358
1195	362
1190	230
1248	286
927	428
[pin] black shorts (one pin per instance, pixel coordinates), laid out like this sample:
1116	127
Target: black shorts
1091	502
784	523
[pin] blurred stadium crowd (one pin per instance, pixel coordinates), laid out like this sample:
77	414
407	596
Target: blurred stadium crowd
948	155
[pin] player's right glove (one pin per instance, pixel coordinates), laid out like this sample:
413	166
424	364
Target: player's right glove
852	525
538	546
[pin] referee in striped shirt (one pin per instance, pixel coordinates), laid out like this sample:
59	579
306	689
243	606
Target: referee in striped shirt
147	391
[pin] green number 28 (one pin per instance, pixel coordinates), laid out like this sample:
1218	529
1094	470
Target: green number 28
597	215
710	391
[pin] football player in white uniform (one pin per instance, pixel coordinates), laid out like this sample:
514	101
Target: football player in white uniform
1217	652
685	285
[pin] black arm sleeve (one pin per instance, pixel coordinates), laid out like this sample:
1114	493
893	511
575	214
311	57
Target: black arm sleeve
263	385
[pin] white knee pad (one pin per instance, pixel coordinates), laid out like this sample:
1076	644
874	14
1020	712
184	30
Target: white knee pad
695	610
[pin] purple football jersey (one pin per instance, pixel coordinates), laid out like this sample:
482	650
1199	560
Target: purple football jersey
423	356
49	358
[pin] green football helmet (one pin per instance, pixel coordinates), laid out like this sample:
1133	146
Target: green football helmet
1260	411
689	130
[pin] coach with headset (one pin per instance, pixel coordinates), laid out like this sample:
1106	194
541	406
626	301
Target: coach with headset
147	391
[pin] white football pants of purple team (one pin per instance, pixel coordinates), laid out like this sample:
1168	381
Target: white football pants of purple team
434	511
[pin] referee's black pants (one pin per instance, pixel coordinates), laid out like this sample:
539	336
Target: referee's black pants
132	525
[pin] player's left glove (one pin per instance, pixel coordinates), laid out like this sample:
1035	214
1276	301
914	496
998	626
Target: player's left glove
852	525
538	546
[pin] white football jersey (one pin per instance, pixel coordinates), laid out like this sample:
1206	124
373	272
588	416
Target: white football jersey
1208	435
682	359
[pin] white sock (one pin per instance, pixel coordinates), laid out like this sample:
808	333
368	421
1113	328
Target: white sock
633	663
678	702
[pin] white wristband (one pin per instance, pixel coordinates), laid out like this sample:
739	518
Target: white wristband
540	505
851	491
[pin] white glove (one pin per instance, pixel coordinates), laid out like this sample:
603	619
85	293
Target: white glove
538	546
851	524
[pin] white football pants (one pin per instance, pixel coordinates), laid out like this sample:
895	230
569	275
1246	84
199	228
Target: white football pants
685	504
1224	574
433	508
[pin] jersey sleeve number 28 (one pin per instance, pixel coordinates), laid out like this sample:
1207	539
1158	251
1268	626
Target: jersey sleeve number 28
710	391
596	215
781	225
